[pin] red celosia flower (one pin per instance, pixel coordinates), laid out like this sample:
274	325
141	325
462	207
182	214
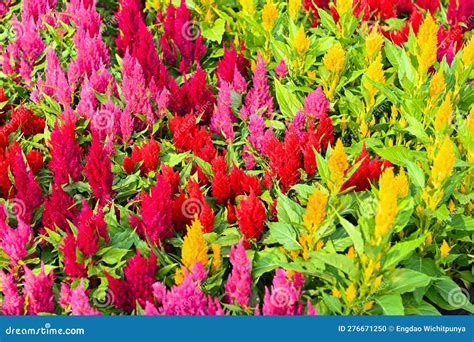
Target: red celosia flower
35	160
98	170
90	227
59	207
27	121
171	176
72	267
368	171
251	216
231	215
5	184
243	183
148	154
66	154
229	62
316	140
136	287
179	220
196	204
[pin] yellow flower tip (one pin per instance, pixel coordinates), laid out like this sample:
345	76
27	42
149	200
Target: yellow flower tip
294	7
368	306
375	73
334	59
315	210
373	43
336	293
338	165
451	206
351	293
387	206
343	6
427	43
468	53
179	276
216	256
194	246
429	239
351	252
319	245
300	42
294	255
269	14
401	181
377	281
444	113
444	249
443	163
438	83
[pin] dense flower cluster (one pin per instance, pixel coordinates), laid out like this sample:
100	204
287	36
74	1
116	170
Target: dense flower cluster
275	158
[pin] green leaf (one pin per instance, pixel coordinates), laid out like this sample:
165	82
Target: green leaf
285	235
339	261
422	308
287	100
401	251
354	234
289	211
266	261
216	32
405	280
113	255
391	304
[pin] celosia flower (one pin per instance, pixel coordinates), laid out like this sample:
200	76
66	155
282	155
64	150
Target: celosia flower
294	6
221	121
251	216
66	154
238	284
373	43
334	59
194	246
427	44
38	291
337	166
316	104
281	69
14	241
34	159
12	303
59	207
56	84
315	210
72	267
148	153
444	113
90	227
139	274
78	300
375	73
443	163
269	14
98	170
437	83
283	299
231	66
300	42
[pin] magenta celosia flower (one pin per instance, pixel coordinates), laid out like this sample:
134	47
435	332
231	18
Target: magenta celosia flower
12	304
257	132
72	267
4	5
281	69
28	191
84	15
156	210
137	285
298	123
239	282
316	104
35	10
79	302
249	158
221	121
65	154
284	297
14	241
56	84
90	227
239	83
258	100
38	291
311	310
87	99
98	170
183	299
59	207
232	65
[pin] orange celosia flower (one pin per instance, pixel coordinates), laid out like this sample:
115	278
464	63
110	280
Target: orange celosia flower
428	44
194	246
315	210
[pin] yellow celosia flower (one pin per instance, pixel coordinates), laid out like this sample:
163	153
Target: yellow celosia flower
343	6
194	246
429	239
269	15
157	5
319	245
438	83
368	305
470	121
401	181
216	256
444	113
351	293
247	6
387	206
444	249
304	241
378	281
294	7
337	166
428	44
375	73
451	206
443	163
336	293
373	43
334	59
315	210
468	54
351	252
300	42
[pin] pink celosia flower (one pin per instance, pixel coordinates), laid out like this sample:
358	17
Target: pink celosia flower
232	65
12	303
65	154
35	10
316	104
98	170
221	121
257	132
283	299
14	241
258	100
249	158
239	282
311	310
239	84
281	69
38	291
56	84
28	191
79	301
